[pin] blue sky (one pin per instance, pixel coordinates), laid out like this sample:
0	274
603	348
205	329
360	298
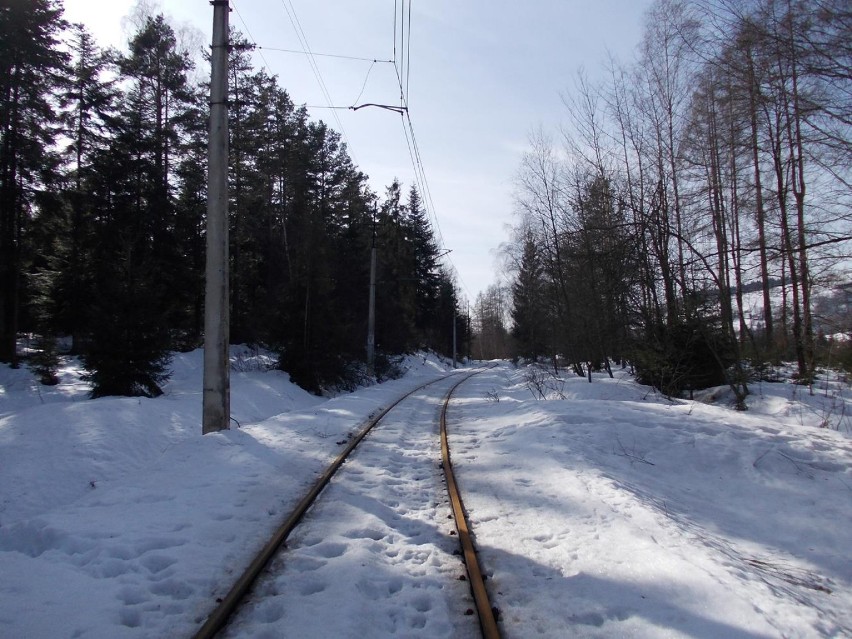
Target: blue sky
483	74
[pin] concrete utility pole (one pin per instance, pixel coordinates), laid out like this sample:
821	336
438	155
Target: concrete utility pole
454	334
371	313
217	388
469	331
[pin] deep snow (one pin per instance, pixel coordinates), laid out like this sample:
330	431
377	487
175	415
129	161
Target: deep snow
603	511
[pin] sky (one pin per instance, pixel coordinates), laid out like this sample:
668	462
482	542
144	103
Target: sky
480	76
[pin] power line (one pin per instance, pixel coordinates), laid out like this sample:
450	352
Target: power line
364	86
357	107
251	39
303	40
326	55
402	64
402	44
416	157
408	55
403	69
423	184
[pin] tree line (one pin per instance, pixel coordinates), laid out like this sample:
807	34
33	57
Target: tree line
718	160
103	207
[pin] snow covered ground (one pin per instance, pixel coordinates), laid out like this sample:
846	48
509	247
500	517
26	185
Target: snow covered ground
615	512
604	511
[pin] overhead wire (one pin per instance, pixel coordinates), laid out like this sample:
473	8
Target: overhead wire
250	37
403	69
324	55
408	55
303	40
364	86
417	162
373	62
303	51
402	43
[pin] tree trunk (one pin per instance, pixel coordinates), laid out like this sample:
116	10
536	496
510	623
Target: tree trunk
768	322
9	232
794	120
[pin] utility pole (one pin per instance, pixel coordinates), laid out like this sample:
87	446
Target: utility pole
371	313
216	413
469	331
454	332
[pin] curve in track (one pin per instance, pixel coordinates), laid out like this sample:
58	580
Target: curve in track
231	601
487	620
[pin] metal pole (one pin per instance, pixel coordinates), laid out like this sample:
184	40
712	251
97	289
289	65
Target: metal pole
371	313
469	332
454	333
216	413
371	316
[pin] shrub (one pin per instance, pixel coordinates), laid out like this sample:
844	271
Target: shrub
689	355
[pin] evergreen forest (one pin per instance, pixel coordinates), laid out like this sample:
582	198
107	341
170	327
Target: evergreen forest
103	206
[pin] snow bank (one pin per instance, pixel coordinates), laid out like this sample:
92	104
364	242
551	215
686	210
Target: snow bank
610	511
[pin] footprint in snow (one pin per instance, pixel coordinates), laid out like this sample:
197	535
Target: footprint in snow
311	587
155	563
306	564
173	589
130	596
364	533
129	617
330	550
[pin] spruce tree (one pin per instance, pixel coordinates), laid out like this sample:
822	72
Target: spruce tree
127	349
190	212
529	303
31	70
425	253
396	288
88	107
136	253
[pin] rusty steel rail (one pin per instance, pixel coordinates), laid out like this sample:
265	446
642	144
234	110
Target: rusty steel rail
228	605
487	621
231	601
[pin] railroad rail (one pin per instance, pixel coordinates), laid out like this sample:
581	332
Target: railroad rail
228	605
485	612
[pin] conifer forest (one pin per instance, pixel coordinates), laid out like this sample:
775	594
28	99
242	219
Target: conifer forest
103	203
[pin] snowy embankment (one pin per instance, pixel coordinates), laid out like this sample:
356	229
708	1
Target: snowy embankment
118	519
607	512
616	512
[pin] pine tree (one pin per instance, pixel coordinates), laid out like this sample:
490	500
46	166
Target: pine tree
127	350
136	253
530	321
328	206
425	262
190	216
88	104
249	103
31	69
395	290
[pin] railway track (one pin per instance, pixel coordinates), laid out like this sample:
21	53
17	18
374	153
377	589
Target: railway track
432	596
